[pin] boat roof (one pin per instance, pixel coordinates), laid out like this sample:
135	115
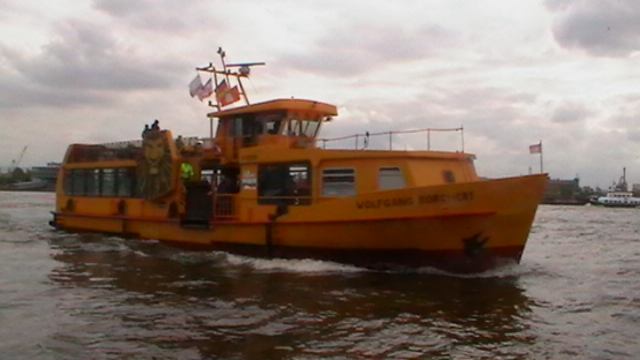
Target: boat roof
280	104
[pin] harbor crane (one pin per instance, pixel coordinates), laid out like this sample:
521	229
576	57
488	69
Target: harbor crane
16	162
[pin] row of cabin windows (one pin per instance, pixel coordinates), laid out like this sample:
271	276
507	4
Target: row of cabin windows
342	181
116	182
275	182
291	184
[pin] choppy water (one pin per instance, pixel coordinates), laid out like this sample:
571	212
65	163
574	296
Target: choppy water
576	295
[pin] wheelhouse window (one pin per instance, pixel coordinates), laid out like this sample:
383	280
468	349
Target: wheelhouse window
288	184
390	178
302	128
245	129
338	182
271	122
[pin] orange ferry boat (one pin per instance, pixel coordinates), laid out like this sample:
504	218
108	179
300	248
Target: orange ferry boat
261	187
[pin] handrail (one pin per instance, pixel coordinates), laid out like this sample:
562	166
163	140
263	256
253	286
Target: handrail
367	135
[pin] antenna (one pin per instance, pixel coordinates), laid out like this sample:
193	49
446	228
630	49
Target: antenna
230	94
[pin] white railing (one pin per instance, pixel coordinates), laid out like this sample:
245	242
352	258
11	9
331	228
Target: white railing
362	140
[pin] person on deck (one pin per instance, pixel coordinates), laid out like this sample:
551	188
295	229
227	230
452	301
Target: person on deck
146	130
229	183
179	143
186	171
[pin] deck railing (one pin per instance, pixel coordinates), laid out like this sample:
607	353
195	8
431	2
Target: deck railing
362	140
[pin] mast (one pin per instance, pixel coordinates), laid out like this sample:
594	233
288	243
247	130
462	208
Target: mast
244	69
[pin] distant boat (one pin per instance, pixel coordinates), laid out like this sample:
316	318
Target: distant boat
33	185
618	196
618	199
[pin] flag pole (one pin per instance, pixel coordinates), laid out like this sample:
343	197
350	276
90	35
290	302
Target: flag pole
541	168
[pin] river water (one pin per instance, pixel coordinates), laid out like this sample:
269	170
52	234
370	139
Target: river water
576	295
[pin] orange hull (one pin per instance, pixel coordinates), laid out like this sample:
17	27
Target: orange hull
464	227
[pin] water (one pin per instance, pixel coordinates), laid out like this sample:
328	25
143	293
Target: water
575	295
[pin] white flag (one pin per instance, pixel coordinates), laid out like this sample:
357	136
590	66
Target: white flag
195	86
206	90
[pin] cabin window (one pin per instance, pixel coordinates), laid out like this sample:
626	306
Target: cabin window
338	182
68	182
126	182
93	182
390	178
78	182
288	184
108	182
449	176
100	182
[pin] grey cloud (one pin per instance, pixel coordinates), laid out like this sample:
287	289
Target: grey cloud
601	28
18	94
360	48
118	7
625	112
86	56
568	112
634	135
171	17
83	64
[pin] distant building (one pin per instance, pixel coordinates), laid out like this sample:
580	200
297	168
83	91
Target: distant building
46	174
635	188
564	192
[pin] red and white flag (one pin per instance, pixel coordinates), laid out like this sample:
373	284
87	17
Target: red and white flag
226	95
195	85
206	90
535	149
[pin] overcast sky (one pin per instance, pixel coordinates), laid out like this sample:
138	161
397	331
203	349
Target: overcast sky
512	73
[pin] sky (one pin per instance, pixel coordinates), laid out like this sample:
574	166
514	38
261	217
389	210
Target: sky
511	73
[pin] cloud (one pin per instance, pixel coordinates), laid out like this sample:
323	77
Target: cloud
172	17
624	115
368	47
599	27
571	111
82	63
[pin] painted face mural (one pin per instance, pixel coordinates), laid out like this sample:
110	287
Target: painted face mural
154	173
154	150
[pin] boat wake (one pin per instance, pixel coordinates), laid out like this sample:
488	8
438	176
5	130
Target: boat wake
304	266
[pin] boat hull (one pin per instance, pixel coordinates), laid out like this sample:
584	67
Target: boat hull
461	228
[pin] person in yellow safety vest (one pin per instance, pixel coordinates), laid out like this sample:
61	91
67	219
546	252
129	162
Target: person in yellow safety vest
186	170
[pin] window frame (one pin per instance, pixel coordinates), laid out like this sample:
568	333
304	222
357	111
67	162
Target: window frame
340	193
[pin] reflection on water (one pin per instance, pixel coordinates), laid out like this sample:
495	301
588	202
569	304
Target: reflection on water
157	298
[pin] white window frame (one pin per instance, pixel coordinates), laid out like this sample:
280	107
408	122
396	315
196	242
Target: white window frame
339	188
391	180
